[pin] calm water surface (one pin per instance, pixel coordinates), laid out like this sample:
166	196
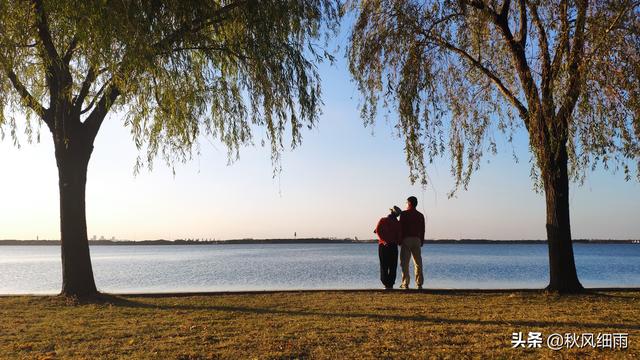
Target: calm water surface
127	269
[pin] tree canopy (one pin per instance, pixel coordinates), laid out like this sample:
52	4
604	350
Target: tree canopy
566	71
176	69
457	74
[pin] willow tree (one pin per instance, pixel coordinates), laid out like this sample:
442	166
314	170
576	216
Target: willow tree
176	70
458	71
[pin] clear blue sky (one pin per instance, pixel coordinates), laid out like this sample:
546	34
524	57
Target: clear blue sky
341	180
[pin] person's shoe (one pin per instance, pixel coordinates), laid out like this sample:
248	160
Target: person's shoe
388	287
420	287
404	287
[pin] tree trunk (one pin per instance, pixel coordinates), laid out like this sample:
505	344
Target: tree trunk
562	267
72	157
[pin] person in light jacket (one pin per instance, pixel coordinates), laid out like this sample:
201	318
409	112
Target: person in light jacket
412	224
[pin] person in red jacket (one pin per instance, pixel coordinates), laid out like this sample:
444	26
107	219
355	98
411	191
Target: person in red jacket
412	224
389	236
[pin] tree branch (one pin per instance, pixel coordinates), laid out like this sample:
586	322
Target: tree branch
546	84
524	113
72	47
602	40
43	31
562	44
222	49
522	30
480	5
442	20
575	56
504	9
501	21
93	101
92	74
520	61
619	16
95	119
197	25
26	97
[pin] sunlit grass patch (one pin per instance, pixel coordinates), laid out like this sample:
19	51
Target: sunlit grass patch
324	324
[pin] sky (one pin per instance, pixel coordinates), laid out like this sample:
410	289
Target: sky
338	184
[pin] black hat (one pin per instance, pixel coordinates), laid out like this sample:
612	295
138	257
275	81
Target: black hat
396	211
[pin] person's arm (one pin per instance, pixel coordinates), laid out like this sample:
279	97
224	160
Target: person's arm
375	231
422	230
378	228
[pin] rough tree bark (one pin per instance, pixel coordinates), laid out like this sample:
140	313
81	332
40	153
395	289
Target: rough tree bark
562	268
73	152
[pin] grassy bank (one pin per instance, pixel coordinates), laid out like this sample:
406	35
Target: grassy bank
324	325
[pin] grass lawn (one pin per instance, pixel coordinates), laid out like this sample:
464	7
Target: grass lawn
314	324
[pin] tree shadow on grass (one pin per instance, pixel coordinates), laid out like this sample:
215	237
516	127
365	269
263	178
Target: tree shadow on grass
113	300
619	294
416	318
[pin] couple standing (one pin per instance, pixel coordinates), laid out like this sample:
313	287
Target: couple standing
409	234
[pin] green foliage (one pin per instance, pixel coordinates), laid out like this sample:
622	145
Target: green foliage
176	69
457	72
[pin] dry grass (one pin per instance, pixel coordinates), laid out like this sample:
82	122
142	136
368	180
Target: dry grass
322	325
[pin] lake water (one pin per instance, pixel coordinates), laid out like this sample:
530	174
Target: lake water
131	269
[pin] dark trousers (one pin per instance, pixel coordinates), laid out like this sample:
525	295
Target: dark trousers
388	263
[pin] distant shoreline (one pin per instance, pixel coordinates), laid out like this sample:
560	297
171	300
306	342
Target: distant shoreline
11	242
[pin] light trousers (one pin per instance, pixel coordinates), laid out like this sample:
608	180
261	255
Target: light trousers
411	249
